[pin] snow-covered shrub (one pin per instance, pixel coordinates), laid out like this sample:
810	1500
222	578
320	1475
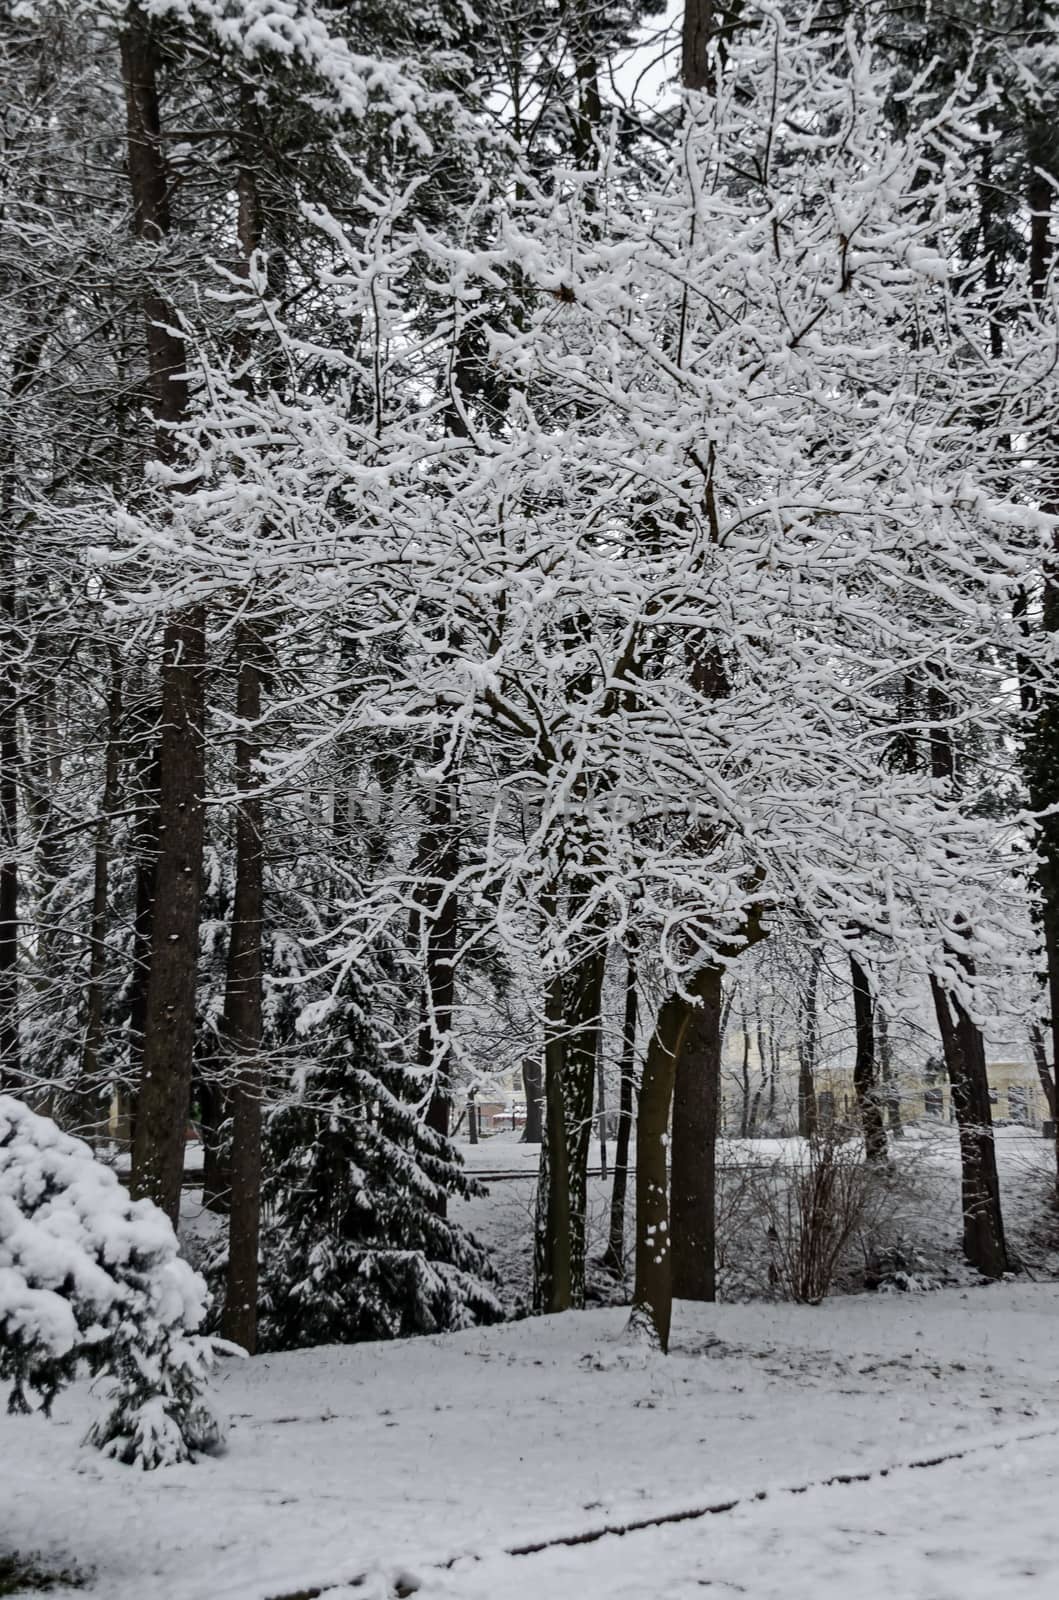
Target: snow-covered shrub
355	1241
813	1208
89	1276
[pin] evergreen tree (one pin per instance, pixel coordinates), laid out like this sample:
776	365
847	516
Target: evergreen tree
90	1279
355	1244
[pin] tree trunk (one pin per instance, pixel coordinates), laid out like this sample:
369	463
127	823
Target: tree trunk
1044	1073
533	1084
696	1107
10	1054
169	1023
652	1304
698	30
807	1039
87	1110
891	1089
588	114
864	1074
243	1026
964	1052
24	365
614	1259
572	1053
601	1106
145	854
744	1082
233	1183
440	856
774	1072
552	1265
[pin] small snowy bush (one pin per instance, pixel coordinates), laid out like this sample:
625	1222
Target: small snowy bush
88	1276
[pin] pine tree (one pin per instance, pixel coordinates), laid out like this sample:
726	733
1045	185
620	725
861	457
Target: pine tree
90	1279
354	1245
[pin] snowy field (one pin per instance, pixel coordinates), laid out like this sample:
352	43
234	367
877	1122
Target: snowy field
422	1468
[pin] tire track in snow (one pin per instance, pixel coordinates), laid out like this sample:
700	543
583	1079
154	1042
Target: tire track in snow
403	1584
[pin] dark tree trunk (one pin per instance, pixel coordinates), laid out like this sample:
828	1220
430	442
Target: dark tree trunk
243	1021
88	1107
744	1082
1044	1073
697	33
696	1108
439	855
169	1023
765	1088
572	1053
582	1047
10	1054
865	1082
145	854
163	1101
601	1107
652	1304
1041	760
25	363
807	1039
242	1025
552	1264
614	1259
1042	743
588	113
964	1052
533	1084
774	1071
891	1089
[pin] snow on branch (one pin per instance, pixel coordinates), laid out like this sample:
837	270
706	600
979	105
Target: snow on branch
90	1278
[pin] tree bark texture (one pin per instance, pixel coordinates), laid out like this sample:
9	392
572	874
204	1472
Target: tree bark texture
964	1052
163	1102
1041	751
24	365
615	1254
439	854
169	1022
87	1109
533	1085
696	35
696	1112
570	1056
891	1089
243	1025
552	1266
807	1041
652	1304
1044	1072
865	1076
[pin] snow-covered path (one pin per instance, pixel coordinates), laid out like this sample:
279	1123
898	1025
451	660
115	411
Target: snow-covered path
391	1459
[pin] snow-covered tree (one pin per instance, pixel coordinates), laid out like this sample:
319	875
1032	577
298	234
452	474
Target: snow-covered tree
356	1243
91	1280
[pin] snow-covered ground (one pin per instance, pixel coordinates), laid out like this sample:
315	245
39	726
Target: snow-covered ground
377	1470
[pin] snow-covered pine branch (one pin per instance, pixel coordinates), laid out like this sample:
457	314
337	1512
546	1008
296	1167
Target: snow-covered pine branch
90	1279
